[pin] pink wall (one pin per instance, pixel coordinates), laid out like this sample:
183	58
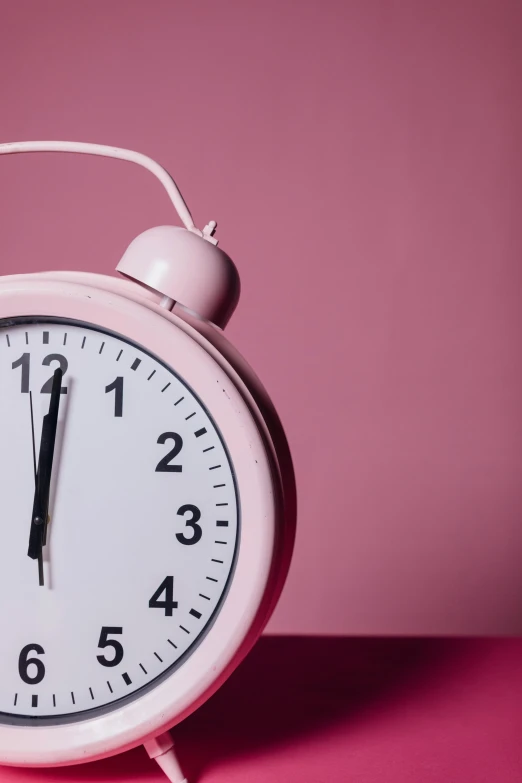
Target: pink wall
363	160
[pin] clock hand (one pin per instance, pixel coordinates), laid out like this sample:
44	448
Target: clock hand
40	558
43	475
32	434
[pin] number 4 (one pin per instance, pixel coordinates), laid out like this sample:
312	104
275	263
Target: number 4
167	587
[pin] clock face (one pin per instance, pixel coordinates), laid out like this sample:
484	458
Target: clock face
143	522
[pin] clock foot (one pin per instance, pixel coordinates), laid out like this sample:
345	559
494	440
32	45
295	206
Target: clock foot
161	749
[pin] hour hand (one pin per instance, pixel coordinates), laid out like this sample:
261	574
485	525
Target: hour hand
44	472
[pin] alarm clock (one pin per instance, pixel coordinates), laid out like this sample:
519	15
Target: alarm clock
147	495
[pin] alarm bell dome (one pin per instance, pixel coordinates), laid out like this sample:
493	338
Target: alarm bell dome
186	268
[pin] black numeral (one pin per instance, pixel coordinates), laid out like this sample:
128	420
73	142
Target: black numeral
106	642
64	366
24	662
117	387
164	465
23	362
197	532
168	603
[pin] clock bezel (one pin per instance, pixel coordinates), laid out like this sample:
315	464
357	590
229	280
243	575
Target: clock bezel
244	609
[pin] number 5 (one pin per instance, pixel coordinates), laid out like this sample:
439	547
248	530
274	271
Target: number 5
106	642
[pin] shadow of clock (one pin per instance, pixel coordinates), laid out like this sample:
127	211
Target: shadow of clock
286	690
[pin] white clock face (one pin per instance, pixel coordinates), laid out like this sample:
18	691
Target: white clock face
143	522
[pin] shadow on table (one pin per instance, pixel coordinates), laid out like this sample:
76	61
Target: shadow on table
289	688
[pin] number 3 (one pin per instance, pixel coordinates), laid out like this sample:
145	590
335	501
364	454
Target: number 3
193	523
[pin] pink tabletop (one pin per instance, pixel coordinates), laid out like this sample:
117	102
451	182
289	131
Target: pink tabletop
316	710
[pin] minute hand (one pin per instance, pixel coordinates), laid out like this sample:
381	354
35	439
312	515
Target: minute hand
44	472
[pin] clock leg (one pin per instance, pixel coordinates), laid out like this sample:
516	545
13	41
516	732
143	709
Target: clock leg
161	749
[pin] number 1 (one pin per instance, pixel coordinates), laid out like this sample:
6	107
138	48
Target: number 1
117	387
23	362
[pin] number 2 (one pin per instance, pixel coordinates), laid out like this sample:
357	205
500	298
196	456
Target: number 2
64	366
164	465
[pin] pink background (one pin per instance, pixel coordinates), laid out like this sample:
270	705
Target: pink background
363	162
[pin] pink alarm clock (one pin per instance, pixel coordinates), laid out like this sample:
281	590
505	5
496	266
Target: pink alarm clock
147	495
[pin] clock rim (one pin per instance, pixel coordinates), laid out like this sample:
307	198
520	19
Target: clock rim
244	609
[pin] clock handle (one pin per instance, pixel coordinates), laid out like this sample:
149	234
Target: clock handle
184	265
151	165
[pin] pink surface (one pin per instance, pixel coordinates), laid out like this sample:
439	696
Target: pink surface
363	160
344	710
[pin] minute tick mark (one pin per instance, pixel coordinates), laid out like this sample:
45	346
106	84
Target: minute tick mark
15	699
204	596
142	667
208	449
172	643
109	686
101	347
190	416
8	343
72	697
178	401
221	504
166	387
214	467
65	339
184	629
92	694
214	559
217	486
83	342
119	355
157	656
211	579
152	373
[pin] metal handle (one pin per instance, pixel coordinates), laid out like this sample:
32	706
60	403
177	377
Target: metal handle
83	148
